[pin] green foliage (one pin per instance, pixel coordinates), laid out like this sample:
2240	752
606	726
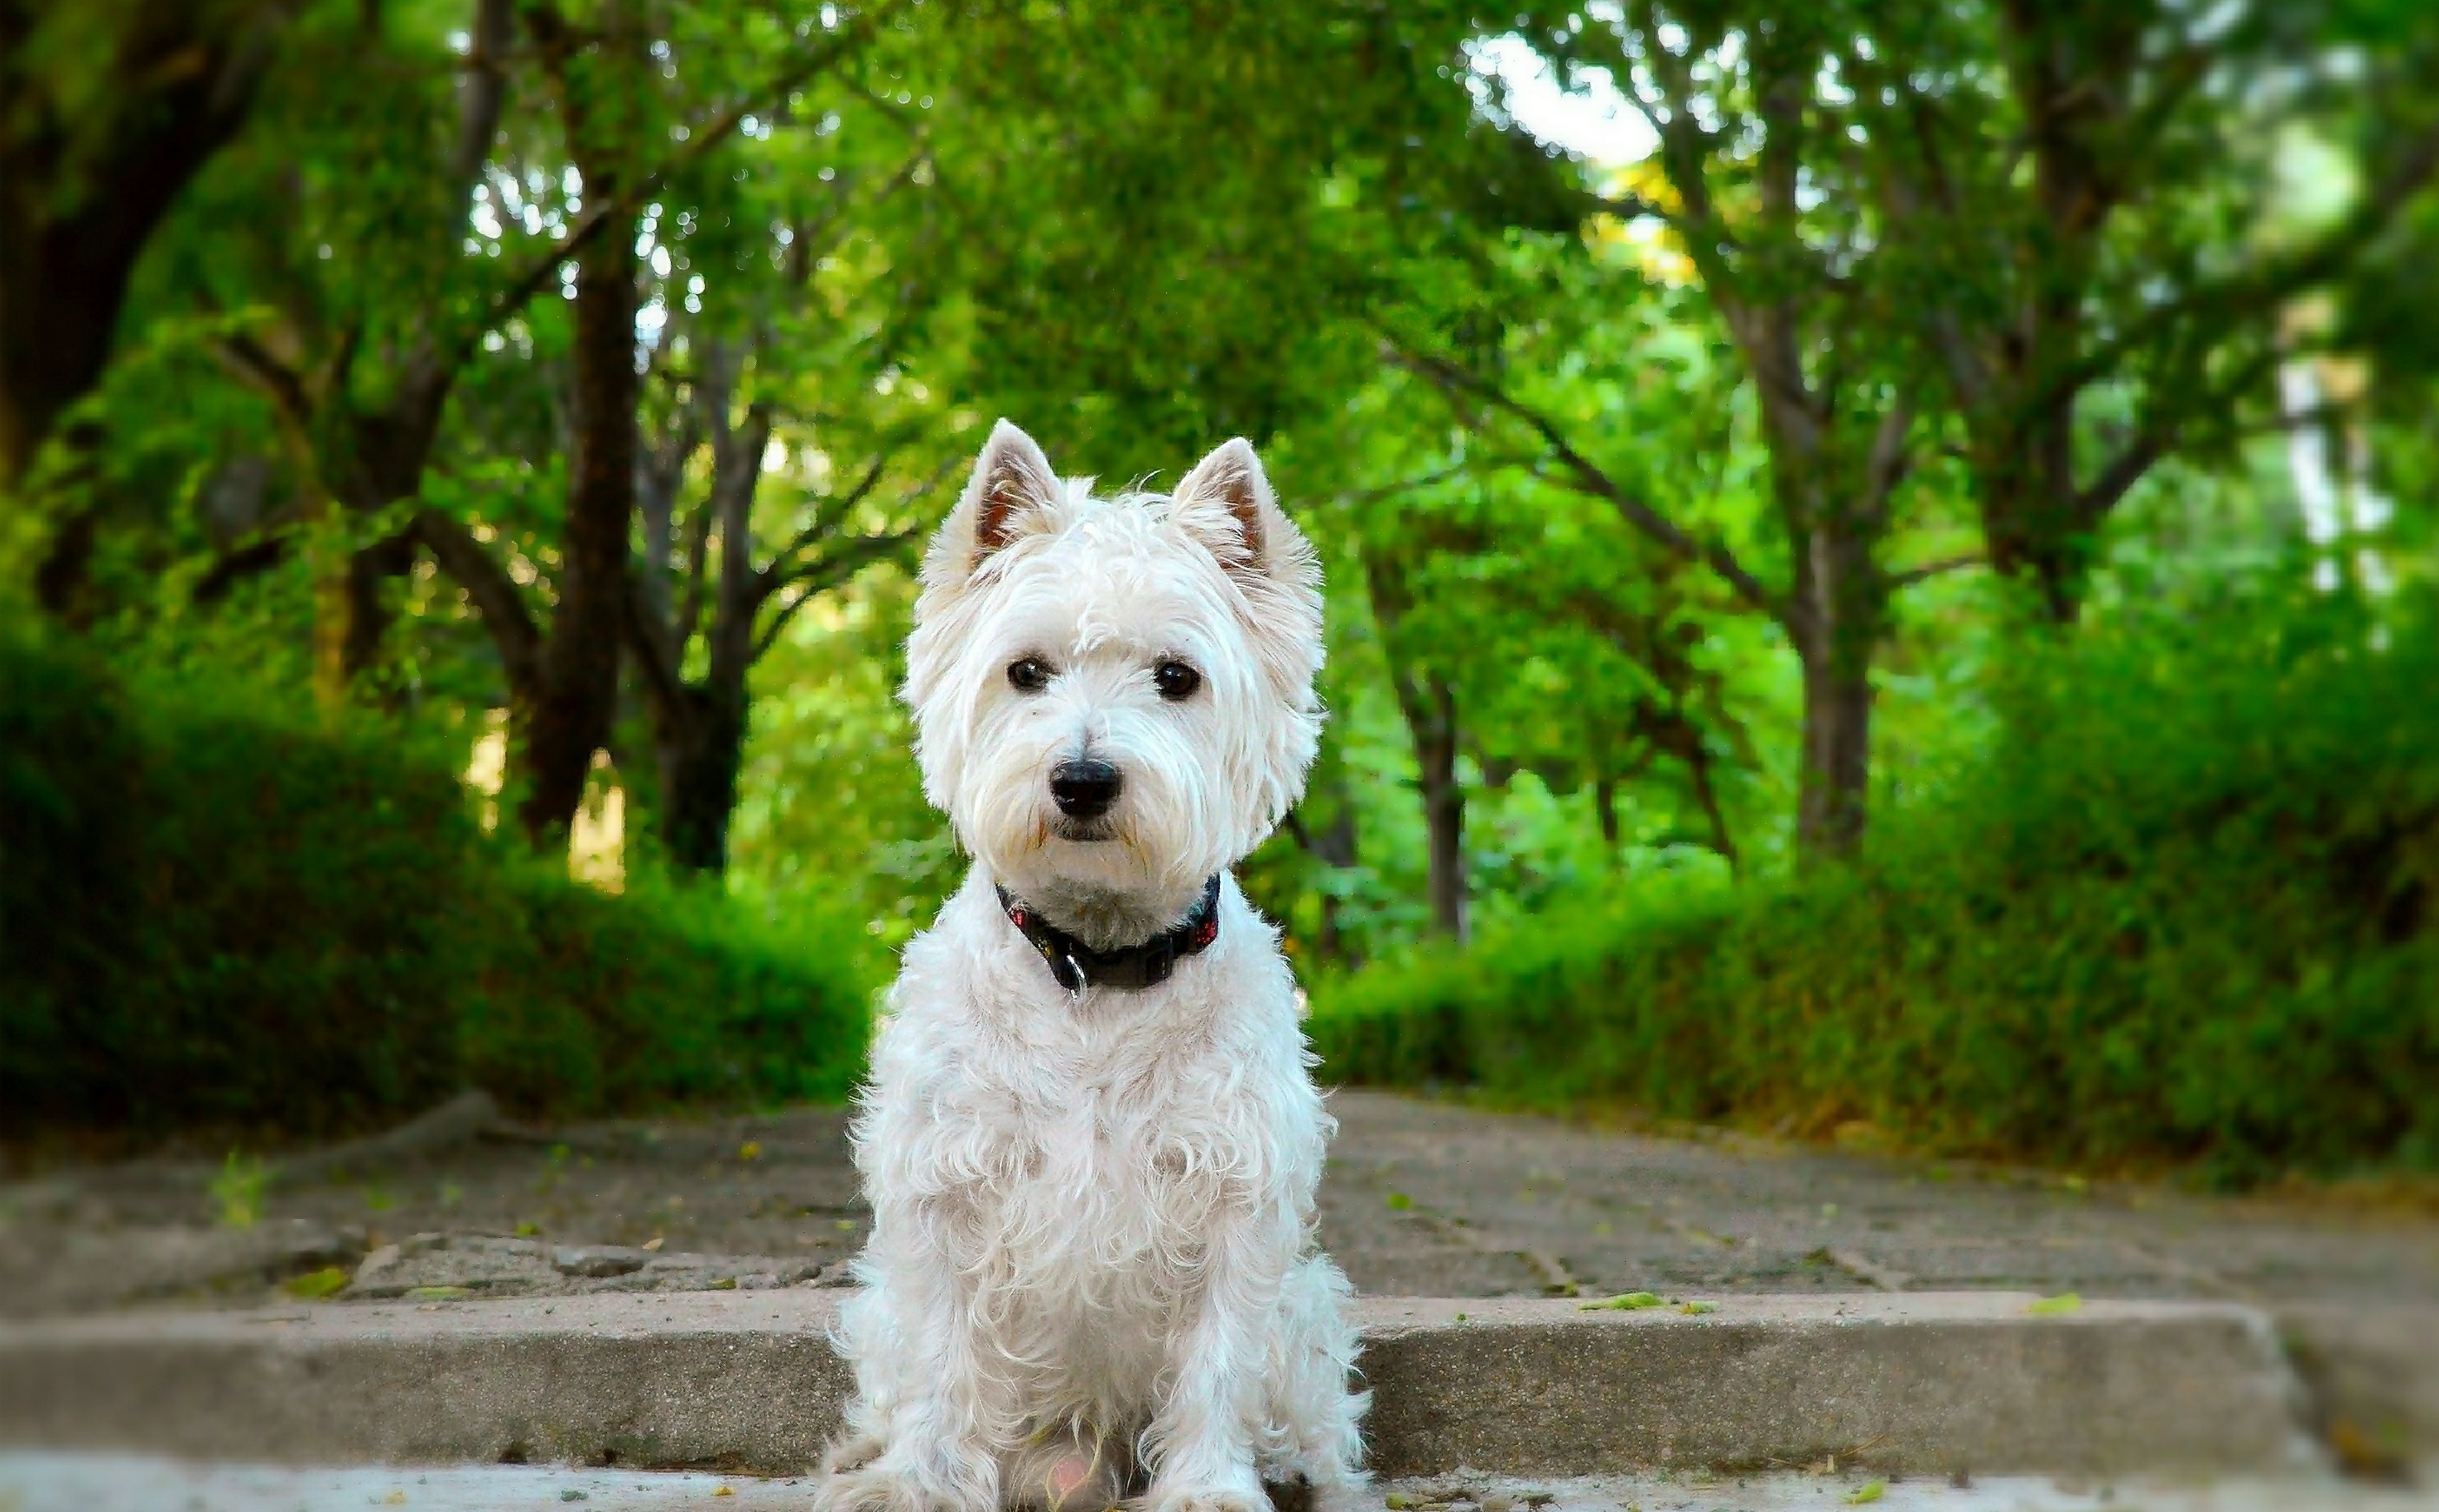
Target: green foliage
1530	408
237	1191
217	918
2182	910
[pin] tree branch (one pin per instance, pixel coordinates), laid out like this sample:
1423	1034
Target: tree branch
282	384
654	652
700	143
1890	458
814	579
1912	575
494	594
827	519
2225	300
1391	490
483	89
1590	478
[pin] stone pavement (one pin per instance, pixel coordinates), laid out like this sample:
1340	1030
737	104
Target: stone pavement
1843	1300
37	1482
1423	1199
1985	1382
1431	1198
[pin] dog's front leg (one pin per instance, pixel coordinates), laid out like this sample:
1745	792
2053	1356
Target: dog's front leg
914	1442
1203	1439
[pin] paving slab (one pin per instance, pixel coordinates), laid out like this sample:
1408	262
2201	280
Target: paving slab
51	1482
1937	1383
1422	1198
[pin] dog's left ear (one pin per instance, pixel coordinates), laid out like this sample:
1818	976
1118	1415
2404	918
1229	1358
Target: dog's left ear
1226	501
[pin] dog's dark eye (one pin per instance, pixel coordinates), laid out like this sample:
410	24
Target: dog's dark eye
1175	680
1028	674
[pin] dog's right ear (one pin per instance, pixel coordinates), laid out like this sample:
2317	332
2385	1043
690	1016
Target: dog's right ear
1011	490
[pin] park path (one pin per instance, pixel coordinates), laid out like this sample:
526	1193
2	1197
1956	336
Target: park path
1426	1198
34	1481
1433	1198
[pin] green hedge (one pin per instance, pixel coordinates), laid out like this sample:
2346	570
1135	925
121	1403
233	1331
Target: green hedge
211	917
2184	912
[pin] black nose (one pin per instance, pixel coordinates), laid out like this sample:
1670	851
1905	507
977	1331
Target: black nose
1085	790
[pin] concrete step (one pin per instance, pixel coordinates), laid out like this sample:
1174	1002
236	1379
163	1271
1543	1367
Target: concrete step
42	1481
1906	1384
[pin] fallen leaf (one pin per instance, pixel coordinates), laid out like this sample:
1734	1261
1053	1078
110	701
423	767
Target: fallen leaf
751	1150
315	1285
2065	1301
1397	1502
724	1491
1868	1492
1629	1302
2360	1454
655	1242
1695	1310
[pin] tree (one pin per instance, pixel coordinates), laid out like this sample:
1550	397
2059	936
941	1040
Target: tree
563	680
1745	131
359	355
734	607
1520	625
113	107
2064	181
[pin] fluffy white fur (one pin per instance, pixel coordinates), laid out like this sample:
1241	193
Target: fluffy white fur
1091	1272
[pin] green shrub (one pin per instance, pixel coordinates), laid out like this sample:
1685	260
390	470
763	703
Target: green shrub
211	917
2183	912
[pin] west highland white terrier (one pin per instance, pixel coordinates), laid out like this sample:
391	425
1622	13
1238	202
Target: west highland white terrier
1091	1136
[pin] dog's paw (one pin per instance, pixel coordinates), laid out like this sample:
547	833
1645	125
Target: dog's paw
1248	1498
869	1488
852	1451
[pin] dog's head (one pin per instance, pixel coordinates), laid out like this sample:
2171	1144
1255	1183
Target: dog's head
1114	695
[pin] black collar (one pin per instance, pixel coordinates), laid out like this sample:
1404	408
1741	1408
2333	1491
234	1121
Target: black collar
1076	966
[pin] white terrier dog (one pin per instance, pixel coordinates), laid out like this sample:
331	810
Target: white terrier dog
1091	1137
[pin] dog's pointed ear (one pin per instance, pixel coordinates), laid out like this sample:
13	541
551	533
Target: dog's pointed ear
1011	488
1226	501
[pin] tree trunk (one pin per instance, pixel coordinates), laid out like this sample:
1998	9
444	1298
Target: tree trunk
1706	794
1334	846
80	192
569	711
1832	797
1835	628
1435	742
331	563
1430	708
700	746
2025	492
370	571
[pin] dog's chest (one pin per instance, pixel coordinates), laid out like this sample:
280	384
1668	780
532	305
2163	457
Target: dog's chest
1097	1173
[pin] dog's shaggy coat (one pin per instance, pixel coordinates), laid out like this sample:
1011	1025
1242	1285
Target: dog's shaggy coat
1092	1273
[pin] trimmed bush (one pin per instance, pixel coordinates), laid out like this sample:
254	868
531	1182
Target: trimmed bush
214	917
2183	912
